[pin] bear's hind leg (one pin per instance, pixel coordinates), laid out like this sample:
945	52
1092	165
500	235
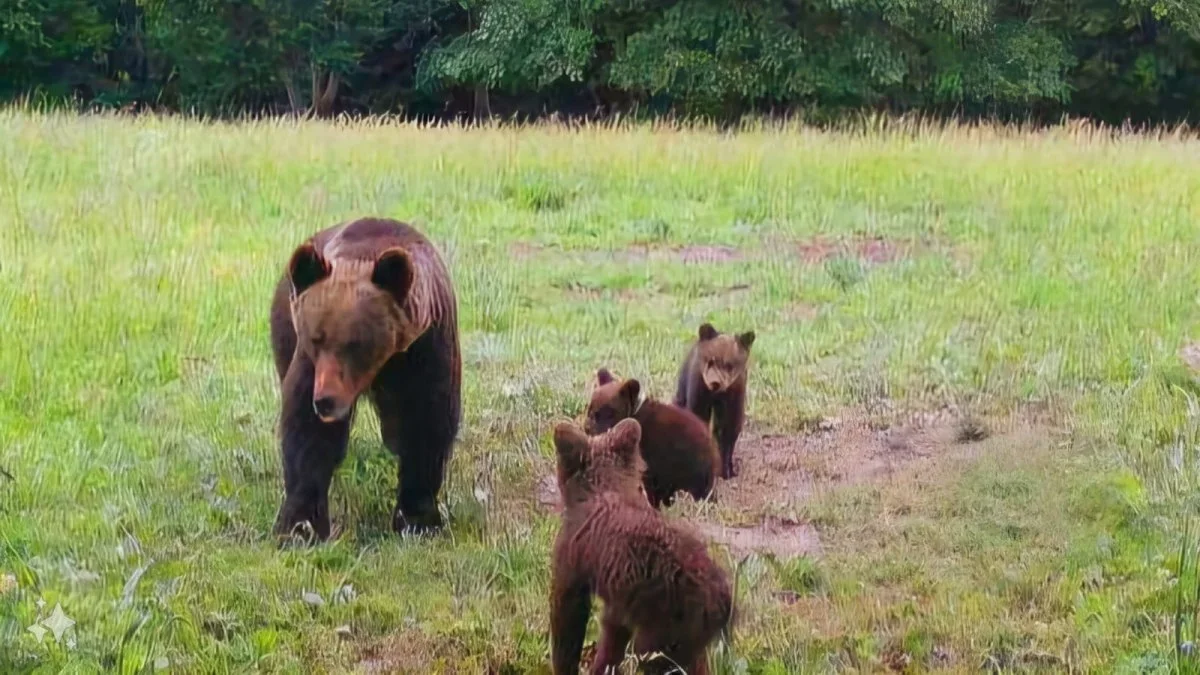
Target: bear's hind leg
614	637
311	451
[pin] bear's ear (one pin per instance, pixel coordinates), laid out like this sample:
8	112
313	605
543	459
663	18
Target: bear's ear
746	340
306	268
707	332
571	445
603	377
394	273
629	392
626	439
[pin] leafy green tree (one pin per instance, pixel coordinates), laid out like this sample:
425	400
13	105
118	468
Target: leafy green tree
57	44
1109	59
213	53
516	45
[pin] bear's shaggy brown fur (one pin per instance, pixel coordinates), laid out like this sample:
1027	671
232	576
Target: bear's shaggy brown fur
676	445
655	579
712	384
366	307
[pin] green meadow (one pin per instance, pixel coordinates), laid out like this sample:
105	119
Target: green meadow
974	430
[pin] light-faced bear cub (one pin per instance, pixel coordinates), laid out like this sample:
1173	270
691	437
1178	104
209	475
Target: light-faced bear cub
712	384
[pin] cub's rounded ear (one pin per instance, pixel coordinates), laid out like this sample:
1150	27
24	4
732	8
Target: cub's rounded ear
394	273
306	267
603	377
571	445
627	437
746	340
707	332
569	437
630	391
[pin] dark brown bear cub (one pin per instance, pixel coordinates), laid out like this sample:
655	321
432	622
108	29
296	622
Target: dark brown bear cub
366	308
712	384
656	580
676	445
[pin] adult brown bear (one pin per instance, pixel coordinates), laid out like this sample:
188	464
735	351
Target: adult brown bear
366	307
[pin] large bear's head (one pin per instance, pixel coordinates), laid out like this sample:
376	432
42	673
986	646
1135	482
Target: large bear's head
350	318
721	357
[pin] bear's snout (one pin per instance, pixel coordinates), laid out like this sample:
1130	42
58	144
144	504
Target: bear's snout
330	409
325	406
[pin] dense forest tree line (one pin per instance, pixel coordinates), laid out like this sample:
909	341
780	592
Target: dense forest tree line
1110	60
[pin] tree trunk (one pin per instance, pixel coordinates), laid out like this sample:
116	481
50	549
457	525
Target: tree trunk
483	107
290	87
324	92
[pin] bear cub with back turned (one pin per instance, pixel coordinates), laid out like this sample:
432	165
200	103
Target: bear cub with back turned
676	445
366	307
712	384
655	579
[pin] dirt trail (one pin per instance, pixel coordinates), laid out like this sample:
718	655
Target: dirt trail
760	509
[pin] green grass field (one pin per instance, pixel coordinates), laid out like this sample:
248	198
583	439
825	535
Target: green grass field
907	286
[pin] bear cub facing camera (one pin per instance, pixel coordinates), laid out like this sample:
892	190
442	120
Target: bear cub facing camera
675	444
659	586
712	384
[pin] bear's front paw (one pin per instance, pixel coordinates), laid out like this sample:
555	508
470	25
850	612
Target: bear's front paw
305	522
421	523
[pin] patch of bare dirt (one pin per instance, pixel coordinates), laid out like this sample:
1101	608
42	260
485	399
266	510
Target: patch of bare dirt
707	254
1190	354
869	249
874	250
778	473
407	651
547	493
586	292
580	291
800	311
782	537
694	255
524	249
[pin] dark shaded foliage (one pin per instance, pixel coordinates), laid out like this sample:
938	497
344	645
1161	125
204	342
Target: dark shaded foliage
1107	59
